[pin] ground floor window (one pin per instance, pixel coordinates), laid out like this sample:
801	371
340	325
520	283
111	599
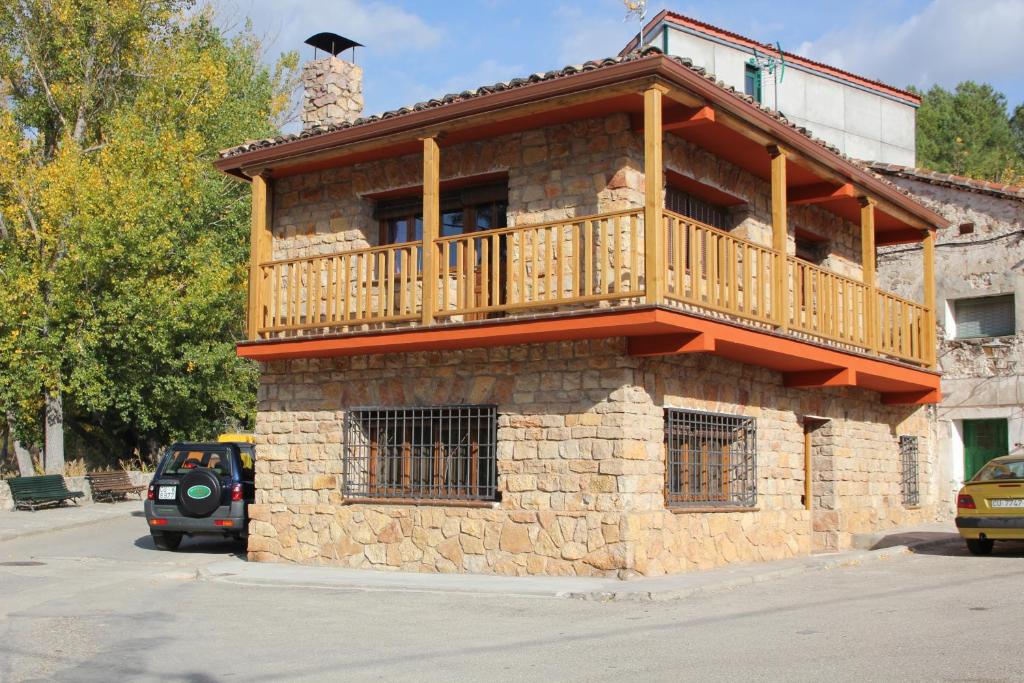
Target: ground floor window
441	452
909	479
984	440
712	459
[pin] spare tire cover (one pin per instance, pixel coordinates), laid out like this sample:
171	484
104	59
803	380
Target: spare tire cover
199	492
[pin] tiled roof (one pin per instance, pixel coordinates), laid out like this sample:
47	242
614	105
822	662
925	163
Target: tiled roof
949	180
771	49
566	72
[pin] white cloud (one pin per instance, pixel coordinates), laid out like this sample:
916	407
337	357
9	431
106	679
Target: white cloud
381	26
948	42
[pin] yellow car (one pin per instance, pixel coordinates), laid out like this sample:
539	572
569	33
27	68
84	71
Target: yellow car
990	507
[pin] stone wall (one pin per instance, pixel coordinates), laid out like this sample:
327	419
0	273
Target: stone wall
982	378
558	172
580	462
332	93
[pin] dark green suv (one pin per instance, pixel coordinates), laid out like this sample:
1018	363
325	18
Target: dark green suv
201	488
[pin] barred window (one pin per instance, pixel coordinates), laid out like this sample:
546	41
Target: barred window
712	459
441	452
909	478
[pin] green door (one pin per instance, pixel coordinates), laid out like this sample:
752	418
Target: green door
983	440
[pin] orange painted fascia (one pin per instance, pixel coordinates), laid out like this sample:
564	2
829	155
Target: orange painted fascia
651	332
504	333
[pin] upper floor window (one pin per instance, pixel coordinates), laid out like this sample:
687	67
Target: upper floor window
811	248
752	81
990	316
466	210
712	459
696	208
441	452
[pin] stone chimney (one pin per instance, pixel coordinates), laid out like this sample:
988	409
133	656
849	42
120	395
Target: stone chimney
332	93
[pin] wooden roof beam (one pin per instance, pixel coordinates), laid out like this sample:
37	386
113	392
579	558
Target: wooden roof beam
821	192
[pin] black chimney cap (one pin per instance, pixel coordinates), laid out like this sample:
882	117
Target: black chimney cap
331	42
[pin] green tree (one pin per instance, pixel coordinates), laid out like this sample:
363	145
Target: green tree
966	132
122	251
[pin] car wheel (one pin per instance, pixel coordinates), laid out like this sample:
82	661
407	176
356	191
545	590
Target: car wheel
166	541
979	546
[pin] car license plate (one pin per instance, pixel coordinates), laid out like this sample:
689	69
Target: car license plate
1008	503
168	493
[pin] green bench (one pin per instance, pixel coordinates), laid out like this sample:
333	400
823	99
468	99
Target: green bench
34	492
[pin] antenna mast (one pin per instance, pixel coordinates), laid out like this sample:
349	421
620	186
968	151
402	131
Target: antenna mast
637	9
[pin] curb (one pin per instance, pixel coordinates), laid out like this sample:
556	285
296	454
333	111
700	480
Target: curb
754	576
11	536
674	587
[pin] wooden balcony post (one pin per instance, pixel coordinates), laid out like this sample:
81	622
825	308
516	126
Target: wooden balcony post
654	199
780	232
431	224
260	251
929	296
867	244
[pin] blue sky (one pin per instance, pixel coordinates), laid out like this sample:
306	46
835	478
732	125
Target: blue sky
420	49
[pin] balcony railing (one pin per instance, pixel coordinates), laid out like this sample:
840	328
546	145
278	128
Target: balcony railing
593	261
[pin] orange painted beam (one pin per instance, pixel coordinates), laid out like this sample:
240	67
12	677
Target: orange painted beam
670	344
838	377
504	333
651	331
688	117
820	192
915	398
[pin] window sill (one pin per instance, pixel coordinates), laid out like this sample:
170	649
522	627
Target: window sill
431	502
694	510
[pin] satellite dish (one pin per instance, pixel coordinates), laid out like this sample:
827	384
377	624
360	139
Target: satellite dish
332	43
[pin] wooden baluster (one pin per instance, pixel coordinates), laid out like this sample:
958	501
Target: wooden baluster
588	253
747	278
549	268
494	282
634	251
534	264
617	246
460	285
734	278
485	271
521	240
345	282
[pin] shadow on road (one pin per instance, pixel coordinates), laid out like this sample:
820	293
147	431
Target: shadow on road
200	545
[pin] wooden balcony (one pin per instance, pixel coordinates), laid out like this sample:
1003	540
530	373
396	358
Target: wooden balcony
597	264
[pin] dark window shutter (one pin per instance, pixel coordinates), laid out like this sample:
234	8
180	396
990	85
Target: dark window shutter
991	316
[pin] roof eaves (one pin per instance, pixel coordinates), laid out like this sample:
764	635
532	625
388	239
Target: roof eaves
228	155
958	182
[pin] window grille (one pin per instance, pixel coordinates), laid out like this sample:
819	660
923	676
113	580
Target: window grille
442	452
712	459
990	316
909	481
696	208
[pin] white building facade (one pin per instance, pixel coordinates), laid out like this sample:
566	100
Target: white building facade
864	119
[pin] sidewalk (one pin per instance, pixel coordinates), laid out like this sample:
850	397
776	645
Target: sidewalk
25	523
583	588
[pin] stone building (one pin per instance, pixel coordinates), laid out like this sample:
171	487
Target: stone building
615	319
980	298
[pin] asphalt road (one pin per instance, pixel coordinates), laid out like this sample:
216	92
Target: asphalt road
103	604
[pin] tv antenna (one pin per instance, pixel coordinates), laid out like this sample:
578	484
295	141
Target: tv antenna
770	68
637	9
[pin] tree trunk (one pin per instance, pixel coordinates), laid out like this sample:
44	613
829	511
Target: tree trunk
21	454
54	457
